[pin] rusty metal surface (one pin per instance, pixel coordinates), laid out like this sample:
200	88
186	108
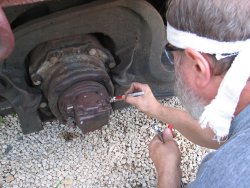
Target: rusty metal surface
133	33
134	27
68	67
86	103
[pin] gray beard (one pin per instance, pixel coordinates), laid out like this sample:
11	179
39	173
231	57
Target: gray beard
191	102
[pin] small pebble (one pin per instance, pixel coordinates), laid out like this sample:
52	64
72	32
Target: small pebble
68	182
9	178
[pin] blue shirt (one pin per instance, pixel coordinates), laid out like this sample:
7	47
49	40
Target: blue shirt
229	166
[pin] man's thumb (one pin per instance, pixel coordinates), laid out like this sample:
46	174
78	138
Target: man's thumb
167	135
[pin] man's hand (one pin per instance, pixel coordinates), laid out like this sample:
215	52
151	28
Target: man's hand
146	103
166	158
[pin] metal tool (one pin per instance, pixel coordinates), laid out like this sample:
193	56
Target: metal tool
122	97
157	131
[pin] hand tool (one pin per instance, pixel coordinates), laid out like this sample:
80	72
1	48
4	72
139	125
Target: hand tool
157	131
122	97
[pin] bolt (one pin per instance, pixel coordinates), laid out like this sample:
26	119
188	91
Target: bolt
112	64
53	60
36	79
69	108
92	52
43	105
37	83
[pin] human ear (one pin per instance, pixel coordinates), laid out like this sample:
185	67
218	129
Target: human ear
200	67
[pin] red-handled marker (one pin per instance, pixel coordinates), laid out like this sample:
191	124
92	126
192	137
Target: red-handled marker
122	97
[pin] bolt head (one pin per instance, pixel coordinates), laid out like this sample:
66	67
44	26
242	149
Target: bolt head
92	52
37	83
70	108
43	105
53	60
112	65
36	79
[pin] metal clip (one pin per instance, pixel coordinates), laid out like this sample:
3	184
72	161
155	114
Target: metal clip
158	131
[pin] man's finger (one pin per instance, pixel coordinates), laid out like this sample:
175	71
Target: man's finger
130	90
135	86
167	135
131	100
155	140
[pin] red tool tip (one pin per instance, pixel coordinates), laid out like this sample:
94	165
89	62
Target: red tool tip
170	128
118	97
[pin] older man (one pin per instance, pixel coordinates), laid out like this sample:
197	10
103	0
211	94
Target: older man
210	43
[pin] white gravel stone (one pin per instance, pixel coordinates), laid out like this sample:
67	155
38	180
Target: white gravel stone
115	156
9	178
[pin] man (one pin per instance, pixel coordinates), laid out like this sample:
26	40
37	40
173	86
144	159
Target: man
210	43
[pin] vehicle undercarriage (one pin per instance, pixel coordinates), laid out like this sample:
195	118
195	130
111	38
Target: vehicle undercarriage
70	57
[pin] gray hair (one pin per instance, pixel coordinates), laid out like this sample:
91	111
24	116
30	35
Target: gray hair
227	20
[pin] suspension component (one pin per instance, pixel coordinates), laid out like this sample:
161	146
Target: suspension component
86	104
73	75
60	53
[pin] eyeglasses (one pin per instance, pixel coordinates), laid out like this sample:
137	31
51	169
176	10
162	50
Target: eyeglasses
169	52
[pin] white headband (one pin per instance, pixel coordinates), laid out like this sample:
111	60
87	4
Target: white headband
220	112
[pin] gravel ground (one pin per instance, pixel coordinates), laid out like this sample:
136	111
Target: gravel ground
60	156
